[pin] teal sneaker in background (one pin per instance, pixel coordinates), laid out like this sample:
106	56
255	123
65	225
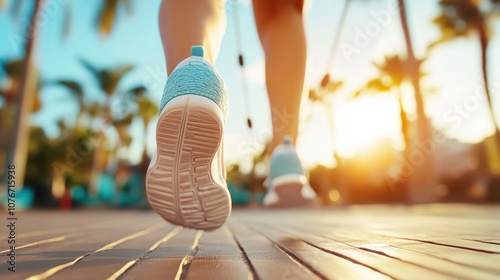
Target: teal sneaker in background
287	185
186	179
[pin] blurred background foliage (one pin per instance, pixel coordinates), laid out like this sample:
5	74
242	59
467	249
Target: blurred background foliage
86	164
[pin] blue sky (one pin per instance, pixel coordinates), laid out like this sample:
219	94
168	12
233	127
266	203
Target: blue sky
454	71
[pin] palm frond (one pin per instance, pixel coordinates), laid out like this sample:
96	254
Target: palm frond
333	86
12	68
138	91
107	79
458	18
74	87
107	14
111	78
147	109
106	17
96	73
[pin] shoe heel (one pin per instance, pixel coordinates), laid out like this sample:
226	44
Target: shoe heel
182	185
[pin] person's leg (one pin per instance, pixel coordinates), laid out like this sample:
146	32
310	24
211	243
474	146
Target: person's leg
185	181
281	31
186	23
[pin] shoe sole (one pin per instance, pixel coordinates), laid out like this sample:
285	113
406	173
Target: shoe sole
180	184
290	196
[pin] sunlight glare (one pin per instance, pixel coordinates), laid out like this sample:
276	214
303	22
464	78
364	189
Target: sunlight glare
362	122
314	144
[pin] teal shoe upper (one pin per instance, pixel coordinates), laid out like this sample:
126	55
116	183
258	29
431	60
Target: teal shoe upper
285	161
197	77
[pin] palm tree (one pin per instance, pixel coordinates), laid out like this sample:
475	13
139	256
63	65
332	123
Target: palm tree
391	75
13	70
422	180
147	110
25	97
107	80
324	97
107	14
463	19
18	151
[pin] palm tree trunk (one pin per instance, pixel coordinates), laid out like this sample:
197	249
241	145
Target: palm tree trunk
483	38
338	181
405	131
422	179
98	162
18	152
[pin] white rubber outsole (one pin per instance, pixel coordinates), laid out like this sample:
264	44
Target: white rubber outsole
184	183
290	191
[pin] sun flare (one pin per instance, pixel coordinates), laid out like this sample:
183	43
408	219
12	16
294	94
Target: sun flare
357	126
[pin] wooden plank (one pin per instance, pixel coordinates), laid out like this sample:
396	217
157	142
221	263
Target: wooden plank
164	262
106	263
392	267
367	238
267	259
34	226
218	257
374	242
456	270
465	244
389	246
324	264
39	259
484	261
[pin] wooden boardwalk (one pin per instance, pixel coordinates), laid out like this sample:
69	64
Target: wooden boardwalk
361	242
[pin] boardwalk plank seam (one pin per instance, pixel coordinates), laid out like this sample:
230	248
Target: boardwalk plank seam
291	255
482	241
247	261
186	261
54	270
406	261
336	253
351	259
396	258
45	241
445	258
415	251
449	245
131	263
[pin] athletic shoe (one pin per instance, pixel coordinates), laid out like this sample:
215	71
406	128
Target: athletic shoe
186	179
287	185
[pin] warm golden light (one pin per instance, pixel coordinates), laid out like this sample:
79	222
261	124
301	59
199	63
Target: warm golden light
357	125
363	122
315	145
334	195
58	186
